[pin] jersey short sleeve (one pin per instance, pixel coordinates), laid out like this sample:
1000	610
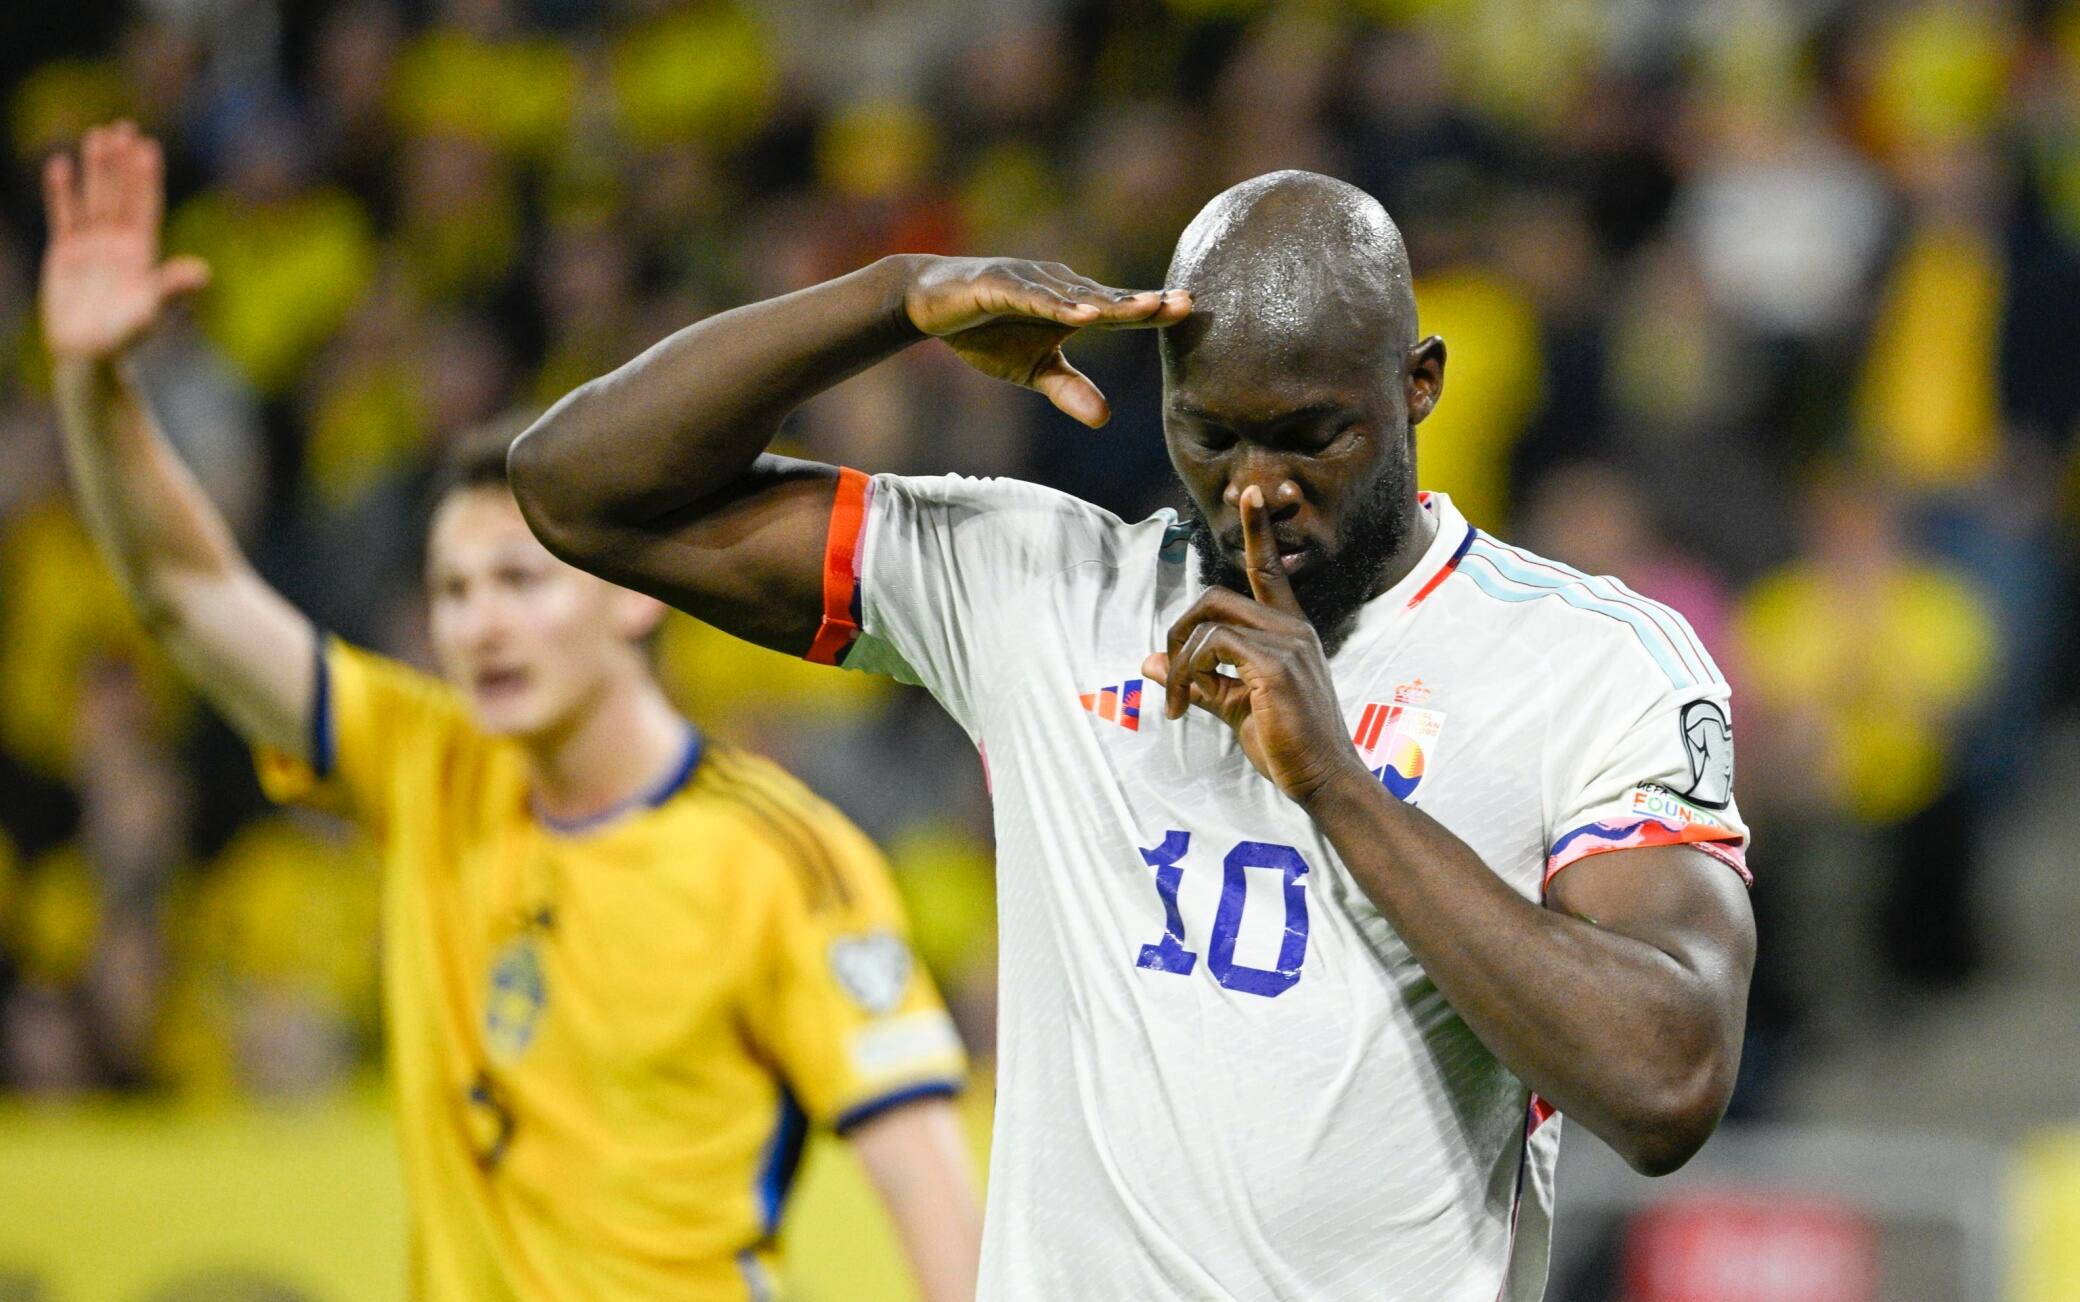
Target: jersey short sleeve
369	715
1652	764
844	1009
924	574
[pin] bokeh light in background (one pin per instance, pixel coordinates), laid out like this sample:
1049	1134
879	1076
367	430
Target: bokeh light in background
1772	307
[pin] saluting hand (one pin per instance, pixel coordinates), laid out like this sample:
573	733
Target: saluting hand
103	284
1008	318
1280	701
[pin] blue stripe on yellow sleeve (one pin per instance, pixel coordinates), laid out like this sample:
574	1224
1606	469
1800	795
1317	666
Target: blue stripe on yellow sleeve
323	734
783	1155
872	1108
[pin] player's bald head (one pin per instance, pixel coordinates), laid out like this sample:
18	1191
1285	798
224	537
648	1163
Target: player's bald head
1288	265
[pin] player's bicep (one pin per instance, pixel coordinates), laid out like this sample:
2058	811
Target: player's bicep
749	559
249	653
1679	899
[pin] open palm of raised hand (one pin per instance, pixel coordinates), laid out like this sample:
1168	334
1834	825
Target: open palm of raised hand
1008	318
103	285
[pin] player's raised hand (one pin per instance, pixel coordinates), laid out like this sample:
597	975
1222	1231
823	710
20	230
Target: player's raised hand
1008	318
103	284
1281	700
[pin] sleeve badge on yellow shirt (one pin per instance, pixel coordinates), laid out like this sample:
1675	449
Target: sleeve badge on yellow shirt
873	969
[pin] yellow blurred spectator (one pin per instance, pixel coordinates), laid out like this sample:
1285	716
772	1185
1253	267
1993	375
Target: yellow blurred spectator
1009	186
1493	382
1939	71
59	100
731	687
60	610
289	267
514	92
1866	656
703	70
273	947
53	916
1929	402
876	150
367	412
947	878
458	228
1517	60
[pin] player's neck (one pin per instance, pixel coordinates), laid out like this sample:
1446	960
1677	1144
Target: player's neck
612	753
1415	544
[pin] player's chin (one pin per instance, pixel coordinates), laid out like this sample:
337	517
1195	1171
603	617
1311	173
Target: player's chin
518	715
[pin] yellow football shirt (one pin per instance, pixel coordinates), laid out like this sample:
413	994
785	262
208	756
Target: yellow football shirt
607	1041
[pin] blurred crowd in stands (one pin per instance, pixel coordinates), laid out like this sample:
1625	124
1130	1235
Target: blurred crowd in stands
1770	307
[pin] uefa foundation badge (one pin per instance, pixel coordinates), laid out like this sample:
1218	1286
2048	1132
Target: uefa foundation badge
1398	739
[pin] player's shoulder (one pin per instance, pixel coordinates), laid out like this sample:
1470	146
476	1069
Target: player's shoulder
1591	625
1028	516
362	693
779	833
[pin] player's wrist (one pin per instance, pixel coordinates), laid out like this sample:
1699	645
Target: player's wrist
896	280
1342	785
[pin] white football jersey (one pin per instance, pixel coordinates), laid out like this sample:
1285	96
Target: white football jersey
1220	1072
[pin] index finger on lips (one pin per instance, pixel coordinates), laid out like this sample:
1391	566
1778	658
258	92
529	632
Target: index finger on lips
1267	573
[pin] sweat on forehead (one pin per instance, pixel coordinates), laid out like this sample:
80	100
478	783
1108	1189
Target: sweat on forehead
1287	254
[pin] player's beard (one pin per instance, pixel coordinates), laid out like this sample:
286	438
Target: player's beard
1336	587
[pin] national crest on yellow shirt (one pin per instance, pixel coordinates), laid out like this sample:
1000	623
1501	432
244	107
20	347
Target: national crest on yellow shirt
518	996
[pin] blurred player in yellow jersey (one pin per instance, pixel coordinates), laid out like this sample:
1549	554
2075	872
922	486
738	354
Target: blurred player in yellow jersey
623	969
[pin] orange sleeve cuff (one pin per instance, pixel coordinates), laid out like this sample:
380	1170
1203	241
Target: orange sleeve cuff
840	623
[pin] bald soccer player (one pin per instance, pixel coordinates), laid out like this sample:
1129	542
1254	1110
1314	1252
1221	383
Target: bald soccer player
1341	844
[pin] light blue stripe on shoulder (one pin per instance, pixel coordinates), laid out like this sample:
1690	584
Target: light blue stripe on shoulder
1506	587
1683	639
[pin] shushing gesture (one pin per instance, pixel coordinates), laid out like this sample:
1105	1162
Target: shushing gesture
104	286
1008	318
1280	700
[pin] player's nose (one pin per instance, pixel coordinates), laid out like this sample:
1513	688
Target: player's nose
1281	492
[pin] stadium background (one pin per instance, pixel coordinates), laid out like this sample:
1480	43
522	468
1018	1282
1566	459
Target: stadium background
1769	306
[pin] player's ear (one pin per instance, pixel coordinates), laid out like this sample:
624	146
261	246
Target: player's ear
1425	372
635	616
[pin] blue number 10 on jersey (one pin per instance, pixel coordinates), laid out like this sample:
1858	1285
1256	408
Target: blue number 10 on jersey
1170	955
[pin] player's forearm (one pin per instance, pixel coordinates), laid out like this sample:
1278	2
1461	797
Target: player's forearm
149	518
1610	1030
237	640
684	421
917	1157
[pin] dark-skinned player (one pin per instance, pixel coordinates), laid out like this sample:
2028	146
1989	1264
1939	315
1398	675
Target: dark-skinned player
1428	838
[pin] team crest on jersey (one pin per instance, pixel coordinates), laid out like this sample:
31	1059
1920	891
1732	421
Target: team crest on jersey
518	996
1398	741
873	969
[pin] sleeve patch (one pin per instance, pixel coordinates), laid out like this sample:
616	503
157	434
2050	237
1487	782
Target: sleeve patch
903	1044
1656	816
873	969
1708	741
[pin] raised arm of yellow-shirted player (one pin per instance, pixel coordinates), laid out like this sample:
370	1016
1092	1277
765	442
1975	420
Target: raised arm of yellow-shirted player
103	289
